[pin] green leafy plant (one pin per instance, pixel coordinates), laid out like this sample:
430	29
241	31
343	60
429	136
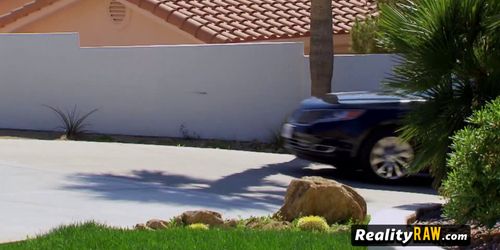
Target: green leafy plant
364	33
73	123
473	185
449	54
364	36
313	223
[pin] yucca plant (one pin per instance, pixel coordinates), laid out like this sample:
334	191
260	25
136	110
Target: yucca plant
449	52
73	123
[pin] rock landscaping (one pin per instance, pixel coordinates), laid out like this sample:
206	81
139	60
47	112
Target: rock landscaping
332	200
311	203
156	224
264	223
210	218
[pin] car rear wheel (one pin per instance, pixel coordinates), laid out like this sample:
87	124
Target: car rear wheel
387	157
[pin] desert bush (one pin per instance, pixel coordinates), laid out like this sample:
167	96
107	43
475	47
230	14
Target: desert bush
313	223
473	185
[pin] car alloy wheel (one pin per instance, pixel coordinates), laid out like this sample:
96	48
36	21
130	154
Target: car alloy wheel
390	157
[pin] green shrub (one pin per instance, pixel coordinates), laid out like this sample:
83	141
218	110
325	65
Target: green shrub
198	226
363	36
473	185
313	223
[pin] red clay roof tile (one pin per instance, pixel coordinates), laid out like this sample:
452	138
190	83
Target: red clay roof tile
265	33
253	33
197	4
177	18
260	16
149	5
250	25
191	26
163	11
219	38
220	21
24	10
206	34
210	11
263	24
212	19
239	26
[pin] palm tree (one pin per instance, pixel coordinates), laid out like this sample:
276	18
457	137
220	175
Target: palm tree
321	50
450	56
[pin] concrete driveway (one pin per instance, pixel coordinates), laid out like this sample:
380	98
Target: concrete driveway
47	183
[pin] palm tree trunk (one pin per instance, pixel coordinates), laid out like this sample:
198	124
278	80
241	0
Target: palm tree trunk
321	53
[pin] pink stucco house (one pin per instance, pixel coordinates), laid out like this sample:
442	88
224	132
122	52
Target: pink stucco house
153	22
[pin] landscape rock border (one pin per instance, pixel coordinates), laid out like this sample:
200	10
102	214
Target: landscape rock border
481	237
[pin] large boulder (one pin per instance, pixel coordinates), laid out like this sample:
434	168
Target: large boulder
202	216
332	200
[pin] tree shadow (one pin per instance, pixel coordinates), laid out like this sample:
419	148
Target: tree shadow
249	189
244	190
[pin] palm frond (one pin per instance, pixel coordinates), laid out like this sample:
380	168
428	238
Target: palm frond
450	56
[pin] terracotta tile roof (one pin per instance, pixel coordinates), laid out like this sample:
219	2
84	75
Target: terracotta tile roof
23	11
219	21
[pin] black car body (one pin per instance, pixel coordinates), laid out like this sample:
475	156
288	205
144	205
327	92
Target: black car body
340	127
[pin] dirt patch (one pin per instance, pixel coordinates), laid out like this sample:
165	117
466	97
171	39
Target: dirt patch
254	146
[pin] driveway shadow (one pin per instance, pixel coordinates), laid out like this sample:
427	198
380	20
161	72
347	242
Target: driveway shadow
236	191
249	189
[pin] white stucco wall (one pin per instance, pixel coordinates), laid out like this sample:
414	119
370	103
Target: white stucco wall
359	72
238	92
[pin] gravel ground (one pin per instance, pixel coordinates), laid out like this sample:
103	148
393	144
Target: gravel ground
482	237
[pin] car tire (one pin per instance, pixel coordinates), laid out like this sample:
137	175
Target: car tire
385	156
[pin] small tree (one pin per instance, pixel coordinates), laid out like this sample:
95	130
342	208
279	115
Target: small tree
321	50
364	33
364	36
